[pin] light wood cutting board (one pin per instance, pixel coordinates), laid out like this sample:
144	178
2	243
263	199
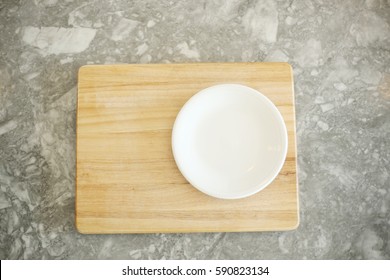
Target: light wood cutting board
127	180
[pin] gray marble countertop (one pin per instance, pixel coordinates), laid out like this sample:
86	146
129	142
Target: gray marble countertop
340	53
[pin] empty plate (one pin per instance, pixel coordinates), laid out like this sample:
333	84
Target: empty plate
229	141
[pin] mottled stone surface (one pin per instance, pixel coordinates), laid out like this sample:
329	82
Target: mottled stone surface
340	52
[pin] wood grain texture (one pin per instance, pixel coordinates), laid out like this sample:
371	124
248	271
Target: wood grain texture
127	180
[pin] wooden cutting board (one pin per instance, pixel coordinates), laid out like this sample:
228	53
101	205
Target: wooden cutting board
127	180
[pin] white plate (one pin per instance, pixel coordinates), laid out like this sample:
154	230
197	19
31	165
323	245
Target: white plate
229	141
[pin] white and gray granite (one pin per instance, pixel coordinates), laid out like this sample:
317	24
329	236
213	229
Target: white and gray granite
340	52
